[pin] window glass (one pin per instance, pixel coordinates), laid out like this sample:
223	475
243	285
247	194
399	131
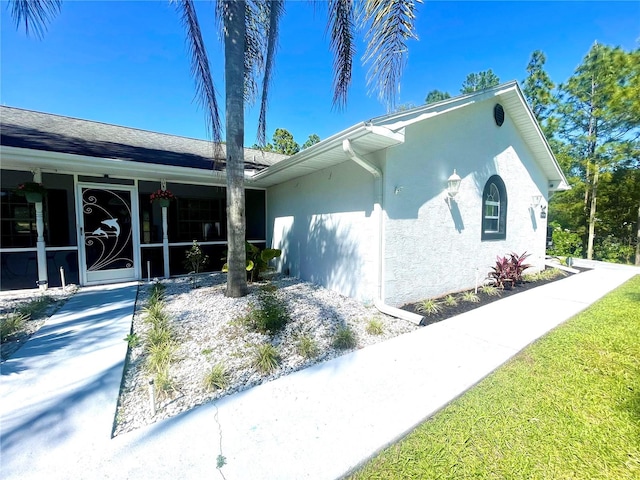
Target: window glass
494	210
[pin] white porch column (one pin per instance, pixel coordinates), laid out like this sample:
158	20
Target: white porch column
43	279
165	242
165	234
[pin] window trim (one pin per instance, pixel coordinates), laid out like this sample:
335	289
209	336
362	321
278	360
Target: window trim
487	201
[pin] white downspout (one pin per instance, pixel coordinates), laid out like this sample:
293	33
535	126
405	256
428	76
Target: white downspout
377	210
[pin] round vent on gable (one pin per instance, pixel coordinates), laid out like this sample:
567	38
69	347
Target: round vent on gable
498	114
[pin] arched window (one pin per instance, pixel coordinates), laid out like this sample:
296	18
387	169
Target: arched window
494	209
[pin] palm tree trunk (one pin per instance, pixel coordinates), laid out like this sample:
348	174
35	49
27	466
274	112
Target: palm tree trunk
234	46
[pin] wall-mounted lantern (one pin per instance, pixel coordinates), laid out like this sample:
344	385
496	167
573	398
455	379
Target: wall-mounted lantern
453	184
535	201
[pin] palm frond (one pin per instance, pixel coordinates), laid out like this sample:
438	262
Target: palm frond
34	14
276	10
200	69
389	25
257	18
341	27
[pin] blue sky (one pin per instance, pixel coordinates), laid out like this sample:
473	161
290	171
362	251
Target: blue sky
126	63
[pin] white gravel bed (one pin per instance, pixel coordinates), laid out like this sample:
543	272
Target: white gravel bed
206	327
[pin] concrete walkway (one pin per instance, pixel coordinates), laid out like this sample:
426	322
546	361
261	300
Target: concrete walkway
58	393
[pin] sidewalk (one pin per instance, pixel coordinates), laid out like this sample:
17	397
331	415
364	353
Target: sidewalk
318	423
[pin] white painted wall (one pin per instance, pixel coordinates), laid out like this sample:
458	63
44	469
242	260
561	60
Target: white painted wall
432	249
323	224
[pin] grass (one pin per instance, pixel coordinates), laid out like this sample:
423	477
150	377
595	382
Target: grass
217	378
450	301
266	358
11	324
344	338
375	327
35	308
565	407
490	290
307	347
159	342
469	296
269	315
429	307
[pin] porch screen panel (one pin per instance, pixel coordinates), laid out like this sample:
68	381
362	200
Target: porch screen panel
256	214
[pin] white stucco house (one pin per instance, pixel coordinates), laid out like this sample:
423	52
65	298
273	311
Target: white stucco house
366	212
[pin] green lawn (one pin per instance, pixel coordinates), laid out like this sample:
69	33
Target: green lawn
566	407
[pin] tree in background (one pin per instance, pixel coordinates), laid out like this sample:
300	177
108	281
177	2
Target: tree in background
538	90
312	140
479	81
473	83
436	96
249	33
596	123
283	142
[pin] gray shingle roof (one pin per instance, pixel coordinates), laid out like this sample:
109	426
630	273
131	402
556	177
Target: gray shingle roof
56	133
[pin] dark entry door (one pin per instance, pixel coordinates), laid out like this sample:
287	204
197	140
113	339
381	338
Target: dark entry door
107	231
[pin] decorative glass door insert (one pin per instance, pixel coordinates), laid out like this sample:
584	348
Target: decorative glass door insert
107	234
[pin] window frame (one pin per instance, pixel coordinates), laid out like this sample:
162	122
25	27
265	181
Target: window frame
489	204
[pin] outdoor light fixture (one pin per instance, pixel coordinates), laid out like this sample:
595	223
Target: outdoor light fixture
453	184
535	201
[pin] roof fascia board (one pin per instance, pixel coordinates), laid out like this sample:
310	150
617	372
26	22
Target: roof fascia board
17	158
395	121
311	152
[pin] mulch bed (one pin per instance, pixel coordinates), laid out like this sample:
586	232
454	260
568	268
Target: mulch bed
462	307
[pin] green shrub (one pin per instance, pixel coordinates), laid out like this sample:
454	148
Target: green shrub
429	307
565	242
551	273
163	381
269	316
156	293
450	301
266	358
155	314
307	347
375	327
195	259
257	260
344	338
217	378
611	249
133	340
11	324
158	335
35	308
490	290
160	357
470	297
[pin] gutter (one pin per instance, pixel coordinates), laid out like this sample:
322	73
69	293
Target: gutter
377	208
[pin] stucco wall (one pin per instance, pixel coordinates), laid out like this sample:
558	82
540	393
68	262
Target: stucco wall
323	224
434	247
